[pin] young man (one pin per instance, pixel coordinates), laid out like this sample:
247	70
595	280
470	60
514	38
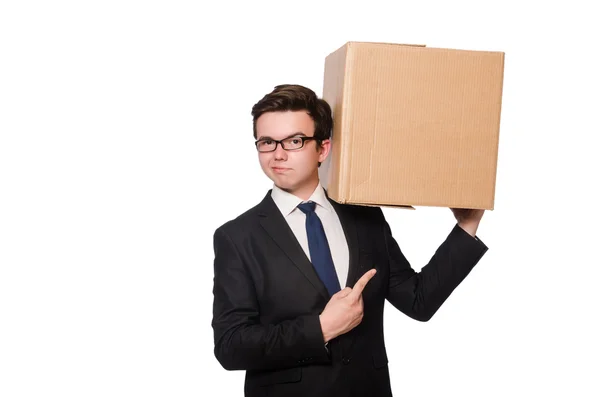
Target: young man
300	281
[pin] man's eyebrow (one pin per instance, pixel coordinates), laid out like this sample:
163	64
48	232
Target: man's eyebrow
266	137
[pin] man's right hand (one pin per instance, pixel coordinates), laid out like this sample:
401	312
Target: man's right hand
344	311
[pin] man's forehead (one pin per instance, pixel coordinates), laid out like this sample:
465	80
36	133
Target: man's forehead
280	125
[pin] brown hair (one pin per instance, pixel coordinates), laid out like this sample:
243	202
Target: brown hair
293	97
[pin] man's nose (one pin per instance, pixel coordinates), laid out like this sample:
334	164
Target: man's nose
280	154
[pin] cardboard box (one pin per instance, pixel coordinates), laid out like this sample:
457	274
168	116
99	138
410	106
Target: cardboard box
413	126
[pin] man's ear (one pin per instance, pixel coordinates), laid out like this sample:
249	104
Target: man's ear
324	150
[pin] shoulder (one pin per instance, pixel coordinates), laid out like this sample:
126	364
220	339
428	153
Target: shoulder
361	211
363	216
243	223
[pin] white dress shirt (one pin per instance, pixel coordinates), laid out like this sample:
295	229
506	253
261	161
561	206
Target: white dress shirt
296	219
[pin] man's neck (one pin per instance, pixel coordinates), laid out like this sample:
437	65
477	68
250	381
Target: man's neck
305	192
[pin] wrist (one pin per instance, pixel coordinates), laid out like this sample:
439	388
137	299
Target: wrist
469	227
327	334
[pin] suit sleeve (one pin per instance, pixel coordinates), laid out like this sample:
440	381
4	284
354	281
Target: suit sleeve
242	342
420	294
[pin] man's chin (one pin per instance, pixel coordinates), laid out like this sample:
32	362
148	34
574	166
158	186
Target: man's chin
288	187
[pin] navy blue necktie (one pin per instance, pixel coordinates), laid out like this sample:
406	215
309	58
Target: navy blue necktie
318	247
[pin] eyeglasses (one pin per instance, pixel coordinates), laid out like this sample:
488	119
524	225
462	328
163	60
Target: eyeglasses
293	143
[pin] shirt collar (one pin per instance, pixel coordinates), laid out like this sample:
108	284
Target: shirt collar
287	202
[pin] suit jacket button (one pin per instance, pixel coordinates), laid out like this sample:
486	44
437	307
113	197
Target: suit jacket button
346	360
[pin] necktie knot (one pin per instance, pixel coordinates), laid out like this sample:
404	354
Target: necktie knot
307	207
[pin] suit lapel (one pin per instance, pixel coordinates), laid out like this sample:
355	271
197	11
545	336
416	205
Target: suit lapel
350	231
277	228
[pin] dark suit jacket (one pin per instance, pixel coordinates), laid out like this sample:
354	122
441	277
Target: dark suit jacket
267	301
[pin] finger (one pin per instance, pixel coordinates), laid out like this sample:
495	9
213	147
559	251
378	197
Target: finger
362	283
343	293
359	302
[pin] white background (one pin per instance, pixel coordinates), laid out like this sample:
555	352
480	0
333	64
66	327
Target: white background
126	139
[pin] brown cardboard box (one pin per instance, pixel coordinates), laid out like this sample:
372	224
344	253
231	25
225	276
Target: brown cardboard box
413	126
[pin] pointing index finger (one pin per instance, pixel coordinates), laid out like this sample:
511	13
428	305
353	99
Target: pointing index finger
362	283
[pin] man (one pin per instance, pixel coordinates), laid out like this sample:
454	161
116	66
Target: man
300	281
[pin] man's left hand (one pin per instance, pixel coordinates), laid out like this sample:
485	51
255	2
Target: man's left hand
468	219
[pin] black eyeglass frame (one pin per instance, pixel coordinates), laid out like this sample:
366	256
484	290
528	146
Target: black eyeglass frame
303	138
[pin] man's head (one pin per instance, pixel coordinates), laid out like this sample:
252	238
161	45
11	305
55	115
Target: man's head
296	115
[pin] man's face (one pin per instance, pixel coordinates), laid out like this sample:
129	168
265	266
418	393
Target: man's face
294	171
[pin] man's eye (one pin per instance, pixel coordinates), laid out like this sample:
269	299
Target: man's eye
296	141
266	142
